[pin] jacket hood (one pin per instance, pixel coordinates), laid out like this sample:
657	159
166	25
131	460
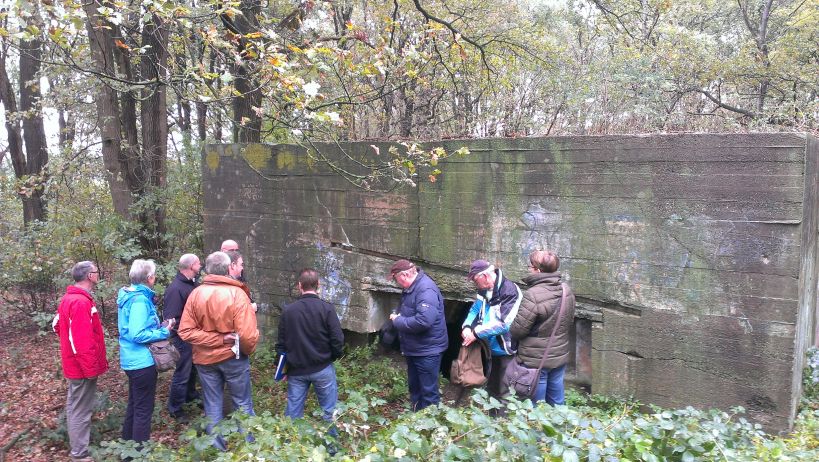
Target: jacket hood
532	279
215	279
127	293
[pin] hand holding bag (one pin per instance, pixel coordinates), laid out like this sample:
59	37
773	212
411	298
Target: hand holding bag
469	369
523	380
165	355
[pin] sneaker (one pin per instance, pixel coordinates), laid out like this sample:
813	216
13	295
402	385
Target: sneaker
82	459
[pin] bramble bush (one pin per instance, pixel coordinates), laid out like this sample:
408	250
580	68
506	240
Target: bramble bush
375	426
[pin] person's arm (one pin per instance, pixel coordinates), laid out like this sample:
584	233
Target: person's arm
509	301
336	334
81	336
468	328
425	314
190	331
244	321
141	324
527	314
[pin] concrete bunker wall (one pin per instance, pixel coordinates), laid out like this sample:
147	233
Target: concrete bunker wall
693	257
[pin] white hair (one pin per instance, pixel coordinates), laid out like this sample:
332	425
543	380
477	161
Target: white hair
141	271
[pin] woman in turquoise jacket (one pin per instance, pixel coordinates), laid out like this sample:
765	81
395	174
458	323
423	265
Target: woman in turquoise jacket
138	326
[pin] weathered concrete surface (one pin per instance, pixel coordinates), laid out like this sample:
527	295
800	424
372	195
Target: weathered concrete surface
693	256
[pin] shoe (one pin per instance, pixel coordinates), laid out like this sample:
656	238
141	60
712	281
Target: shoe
82	459
180	417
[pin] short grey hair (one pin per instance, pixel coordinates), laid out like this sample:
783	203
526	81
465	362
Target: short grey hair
186	261
141	271
217	263
82	269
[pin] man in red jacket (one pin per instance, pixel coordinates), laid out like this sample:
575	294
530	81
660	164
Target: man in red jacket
82	347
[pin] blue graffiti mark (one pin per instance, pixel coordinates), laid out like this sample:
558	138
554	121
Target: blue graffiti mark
542	229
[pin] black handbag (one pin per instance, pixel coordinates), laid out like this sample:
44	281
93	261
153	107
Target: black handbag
523	380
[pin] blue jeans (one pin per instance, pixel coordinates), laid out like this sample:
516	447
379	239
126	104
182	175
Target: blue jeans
183	383
422	380
550	385
213	377
324	383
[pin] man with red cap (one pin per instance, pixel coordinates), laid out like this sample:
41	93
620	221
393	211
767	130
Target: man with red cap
490	318
421	330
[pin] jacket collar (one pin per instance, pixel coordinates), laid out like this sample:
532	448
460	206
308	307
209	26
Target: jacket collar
216	280
532	279
415	282
213	279
308	296
141	288
74	290
182	278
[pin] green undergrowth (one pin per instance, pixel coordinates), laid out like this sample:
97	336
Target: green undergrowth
374	425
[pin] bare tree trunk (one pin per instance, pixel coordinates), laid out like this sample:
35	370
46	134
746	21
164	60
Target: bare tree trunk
154	117
247	125
33	129
26	142
136	162
101	42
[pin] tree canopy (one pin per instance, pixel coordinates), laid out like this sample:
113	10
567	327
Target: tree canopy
128	91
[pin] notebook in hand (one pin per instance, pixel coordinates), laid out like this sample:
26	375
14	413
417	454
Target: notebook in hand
281	368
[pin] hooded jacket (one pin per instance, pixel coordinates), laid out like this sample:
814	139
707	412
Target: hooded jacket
138	326
422	325
492	313
82	342
219	305
536	319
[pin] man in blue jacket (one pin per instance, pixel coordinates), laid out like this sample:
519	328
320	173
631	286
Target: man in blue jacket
183	383
421	330
490	318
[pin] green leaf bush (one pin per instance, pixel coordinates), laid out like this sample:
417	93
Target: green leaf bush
375	425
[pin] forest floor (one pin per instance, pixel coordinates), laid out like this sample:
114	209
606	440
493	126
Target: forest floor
33	393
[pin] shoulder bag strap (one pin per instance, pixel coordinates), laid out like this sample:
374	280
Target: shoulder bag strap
554	329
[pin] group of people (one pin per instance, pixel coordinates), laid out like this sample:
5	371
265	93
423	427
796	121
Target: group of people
212	324
516	326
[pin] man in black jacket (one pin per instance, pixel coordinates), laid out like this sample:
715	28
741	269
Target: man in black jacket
310	334
183	384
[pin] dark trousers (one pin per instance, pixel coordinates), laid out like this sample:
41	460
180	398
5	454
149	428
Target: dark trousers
183	383
494	384
422	380
141	396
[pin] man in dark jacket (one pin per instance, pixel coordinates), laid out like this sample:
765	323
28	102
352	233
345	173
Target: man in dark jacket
183	384
311	337
421	330
82	348
490	317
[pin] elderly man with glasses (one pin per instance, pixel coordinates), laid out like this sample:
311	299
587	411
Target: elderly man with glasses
490	317
421	327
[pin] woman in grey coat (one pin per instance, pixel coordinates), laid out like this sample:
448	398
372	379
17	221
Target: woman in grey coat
535	320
